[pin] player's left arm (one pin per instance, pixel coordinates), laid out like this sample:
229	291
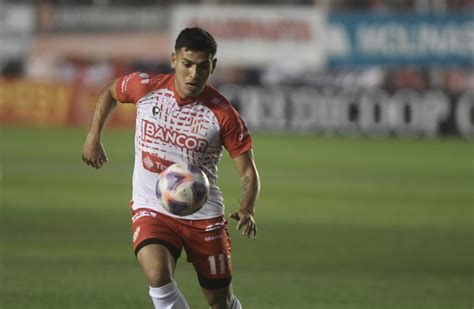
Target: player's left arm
249	191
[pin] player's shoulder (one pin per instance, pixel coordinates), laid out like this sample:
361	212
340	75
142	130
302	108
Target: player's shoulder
148	79
133	86
140	83
217	101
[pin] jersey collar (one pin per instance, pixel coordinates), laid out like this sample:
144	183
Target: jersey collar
180	101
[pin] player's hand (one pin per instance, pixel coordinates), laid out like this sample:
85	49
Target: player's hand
93	153
245	223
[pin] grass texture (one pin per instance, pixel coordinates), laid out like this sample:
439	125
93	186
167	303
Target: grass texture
343	223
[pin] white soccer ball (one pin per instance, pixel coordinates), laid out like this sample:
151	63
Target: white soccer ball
183	189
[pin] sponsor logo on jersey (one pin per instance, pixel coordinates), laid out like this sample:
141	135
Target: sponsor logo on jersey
143	213
155	131
153	163
211	238
125	83
215	226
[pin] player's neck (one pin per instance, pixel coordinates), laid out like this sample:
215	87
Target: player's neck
183	100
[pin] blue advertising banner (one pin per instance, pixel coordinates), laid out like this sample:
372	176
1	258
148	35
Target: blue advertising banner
397	39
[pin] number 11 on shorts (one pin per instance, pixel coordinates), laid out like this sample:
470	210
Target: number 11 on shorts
212	263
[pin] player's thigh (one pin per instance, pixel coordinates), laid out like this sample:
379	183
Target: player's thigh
156	244
209	250
219	298
158	264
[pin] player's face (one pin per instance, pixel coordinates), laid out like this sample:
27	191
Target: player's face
192	71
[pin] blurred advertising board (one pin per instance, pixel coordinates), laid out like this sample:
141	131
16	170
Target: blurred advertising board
366	112
43	103
101	32
259	35
25	102
119	46
105	19
16	30
404	113
392	39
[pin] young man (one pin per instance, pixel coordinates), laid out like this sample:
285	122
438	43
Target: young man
180	118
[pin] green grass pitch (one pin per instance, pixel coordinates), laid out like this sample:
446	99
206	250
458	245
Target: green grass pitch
343	223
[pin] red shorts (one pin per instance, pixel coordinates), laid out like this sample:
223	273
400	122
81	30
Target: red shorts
206	242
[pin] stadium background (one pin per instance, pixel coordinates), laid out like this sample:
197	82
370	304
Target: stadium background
363	118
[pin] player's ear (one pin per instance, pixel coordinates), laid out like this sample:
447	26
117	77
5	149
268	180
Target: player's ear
214	62
173	60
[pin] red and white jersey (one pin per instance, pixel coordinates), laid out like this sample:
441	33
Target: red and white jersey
170	129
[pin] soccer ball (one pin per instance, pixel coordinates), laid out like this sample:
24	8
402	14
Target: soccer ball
183	189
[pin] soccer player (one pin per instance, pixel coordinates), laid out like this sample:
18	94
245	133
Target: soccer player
180	118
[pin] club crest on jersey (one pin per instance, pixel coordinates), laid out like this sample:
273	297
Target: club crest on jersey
196	124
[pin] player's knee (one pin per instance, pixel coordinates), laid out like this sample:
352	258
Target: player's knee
159	276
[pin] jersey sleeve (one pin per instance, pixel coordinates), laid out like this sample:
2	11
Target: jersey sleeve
234	133
130	88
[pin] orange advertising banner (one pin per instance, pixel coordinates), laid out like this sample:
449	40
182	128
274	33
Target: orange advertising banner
40	103
28	102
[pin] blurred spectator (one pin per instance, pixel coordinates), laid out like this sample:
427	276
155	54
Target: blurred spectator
236	75
12	68
458	80
150	67
461	5
41	68
378	6
407	77
373	5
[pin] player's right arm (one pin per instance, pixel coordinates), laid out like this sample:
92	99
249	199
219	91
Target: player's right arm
93	152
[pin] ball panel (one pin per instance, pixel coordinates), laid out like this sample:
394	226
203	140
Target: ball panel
182	188
194	169
177	167
173	180
200	192
176	207
158	191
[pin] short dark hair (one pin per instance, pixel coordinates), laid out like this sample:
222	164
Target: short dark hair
196	39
